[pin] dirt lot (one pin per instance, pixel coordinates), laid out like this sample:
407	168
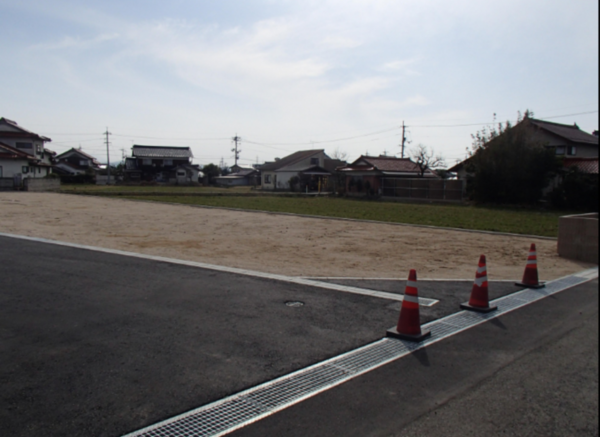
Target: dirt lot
288	245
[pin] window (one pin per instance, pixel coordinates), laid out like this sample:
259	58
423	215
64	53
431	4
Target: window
84	162
314	161
25	169
146	162
267	179
24	146
572	151
168	162
39	149
560	150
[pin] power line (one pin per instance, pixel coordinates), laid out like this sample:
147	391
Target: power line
570	115
170	138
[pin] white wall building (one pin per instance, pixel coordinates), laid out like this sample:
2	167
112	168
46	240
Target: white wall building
22	153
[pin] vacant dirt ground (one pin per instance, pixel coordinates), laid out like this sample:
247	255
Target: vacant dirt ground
288	245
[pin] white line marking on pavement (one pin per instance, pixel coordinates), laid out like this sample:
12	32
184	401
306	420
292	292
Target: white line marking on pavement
289	279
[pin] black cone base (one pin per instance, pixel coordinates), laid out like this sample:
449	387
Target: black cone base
393	332
466	306
535	287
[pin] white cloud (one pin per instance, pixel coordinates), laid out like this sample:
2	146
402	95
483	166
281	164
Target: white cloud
70	42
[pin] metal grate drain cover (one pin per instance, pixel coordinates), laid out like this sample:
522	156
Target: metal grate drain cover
227	415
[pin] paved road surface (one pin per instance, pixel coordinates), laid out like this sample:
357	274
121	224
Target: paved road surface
533	372
100	344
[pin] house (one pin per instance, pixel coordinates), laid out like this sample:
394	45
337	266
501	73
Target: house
161	164
241	177
568	142
76	162
309	166
369	174
186	174
22	154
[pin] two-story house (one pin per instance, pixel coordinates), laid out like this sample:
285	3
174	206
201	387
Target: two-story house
76	162
577	148
161	164
22	152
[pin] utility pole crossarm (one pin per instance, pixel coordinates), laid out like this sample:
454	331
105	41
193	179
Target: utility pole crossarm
236	151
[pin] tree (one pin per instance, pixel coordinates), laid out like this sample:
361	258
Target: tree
211	171
426	158
577	191
508	166
339	154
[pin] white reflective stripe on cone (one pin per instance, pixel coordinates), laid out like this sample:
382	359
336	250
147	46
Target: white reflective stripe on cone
411	284
482	269
409	298
531	262
479	281
532	253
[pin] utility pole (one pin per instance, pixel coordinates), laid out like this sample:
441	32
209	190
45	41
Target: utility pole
107	133
237	140
403	137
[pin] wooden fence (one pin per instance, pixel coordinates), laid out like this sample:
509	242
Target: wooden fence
424	189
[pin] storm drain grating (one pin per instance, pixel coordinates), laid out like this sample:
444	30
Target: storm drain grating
244	408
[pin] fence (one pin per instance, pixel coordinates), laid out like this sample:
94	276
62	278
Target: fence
425	189
6	184
30	184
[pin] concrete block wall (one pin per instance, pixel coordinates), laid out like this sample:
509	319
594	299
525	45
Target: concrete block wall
41	184
578	237
6	184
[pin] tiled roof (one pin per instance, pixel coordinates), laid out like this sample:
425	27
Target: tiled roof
244	172
82	153
289	160
568	132
8	152
162	152
23	133
585	165
387	165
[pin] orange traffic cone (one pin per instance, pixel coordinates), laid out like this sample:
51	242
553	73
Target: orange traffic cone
530	277
409	323
479	296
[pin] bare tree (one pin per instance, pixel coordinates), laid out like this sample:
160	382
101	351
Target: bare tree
426	158
338	154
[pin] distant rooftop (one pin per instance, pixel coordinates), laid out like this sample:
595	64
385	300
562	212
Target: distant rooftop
162	152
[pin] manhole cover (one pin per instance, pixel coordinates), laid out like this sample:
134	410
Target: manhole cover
294	304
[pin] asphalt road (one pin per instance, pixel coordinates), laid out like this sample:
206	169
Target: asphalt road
100	344
532	372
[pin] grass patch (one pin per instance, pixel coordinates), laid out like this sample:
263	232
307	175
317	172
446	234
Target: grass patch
517	221
172	189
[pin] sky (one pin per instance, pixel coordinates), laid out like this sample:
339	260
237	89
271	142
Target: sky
289	75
